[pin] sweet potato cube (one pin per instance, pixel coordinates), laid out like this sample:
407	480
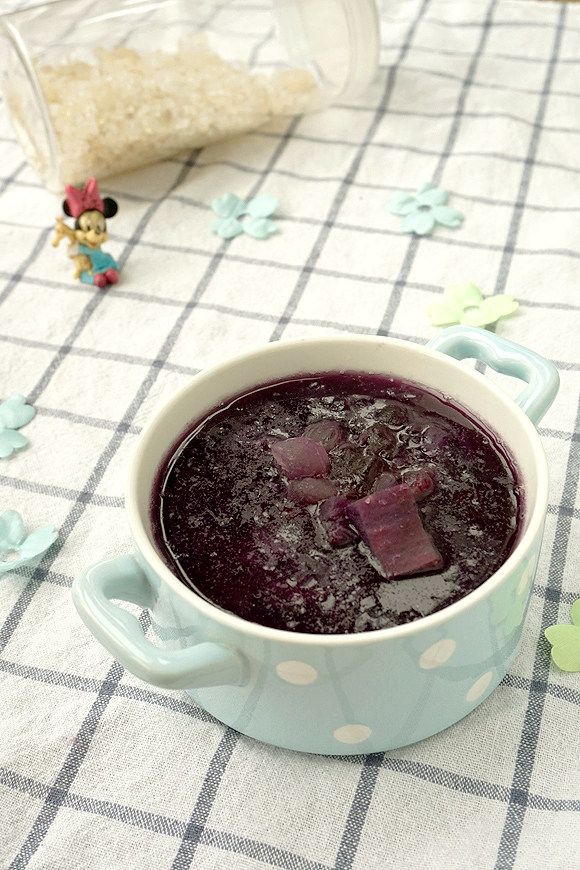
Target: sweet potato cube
301	457
311	490
389	522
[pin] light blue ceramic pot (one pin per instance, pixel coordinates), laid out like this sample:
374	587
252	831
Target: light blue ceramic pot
332	694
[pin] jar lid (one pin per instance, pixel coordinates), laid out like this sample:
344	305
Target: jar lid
340	38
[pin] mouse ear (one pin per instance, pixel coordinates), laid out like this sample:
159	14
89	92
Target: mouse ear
65	208
111	207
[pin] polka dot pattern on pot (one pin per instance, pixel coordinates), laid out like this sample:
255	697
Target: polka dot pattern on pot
524	580
479	687
437	654
355	733
296	672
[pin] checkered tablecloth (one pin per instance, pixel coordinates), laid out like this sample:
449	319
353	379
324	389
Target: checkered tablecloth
99	771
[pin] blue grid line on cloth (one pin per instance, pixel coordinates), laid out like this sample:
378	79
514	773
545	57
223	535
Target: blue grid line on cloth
508	846
300	175
514	227
356	183
76	495
358	812
507	849
460	194
218	763
499	55
259	315
56	793
114	501
401	281
198	819
162	824
56	678
64	350
92	353
6	182
15	277
346	181
563	693
432	773
475	24
31	846
135	817
436	240
563	365
476	84
372	764
513	230
232	844
382	146
355	820
101	423
90	685
466	84
15	614
174	827
94	422
412	113
117	502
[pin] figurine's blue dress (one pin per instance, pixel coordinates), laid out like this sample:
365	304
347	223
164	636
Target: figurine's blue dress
100	263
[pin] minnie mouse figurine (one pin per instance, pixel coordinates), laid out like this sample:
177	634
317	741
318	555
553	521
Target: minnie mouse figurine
92	265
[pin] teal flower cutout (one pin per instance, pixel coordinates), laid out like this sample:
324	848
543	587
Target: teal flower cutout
464	303
425	210
16	548
14	413
565	640
257	211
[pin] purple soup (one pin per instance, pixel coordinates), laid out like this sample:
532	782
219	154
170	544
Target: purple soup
335	503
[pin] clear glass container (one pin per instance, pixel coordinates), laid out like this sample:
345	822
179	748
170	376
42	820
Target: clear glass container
100	88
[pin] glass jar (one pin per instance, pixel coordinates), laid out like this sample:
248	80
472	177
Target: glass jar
100	88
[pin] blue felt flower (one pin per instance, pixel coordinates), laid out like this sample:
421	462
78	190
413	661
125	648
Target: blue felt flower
423	211
256	212
14	413
16	548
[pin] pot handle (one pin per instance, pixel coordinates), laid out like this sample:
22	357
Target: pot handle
204	664
508	358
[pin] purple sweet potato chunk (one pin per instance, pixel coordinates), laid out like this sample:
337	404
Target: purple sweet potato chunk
333	508
339	534
311	490
420	482
433	438
301	457
327	432
386	480
334	521
390	524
